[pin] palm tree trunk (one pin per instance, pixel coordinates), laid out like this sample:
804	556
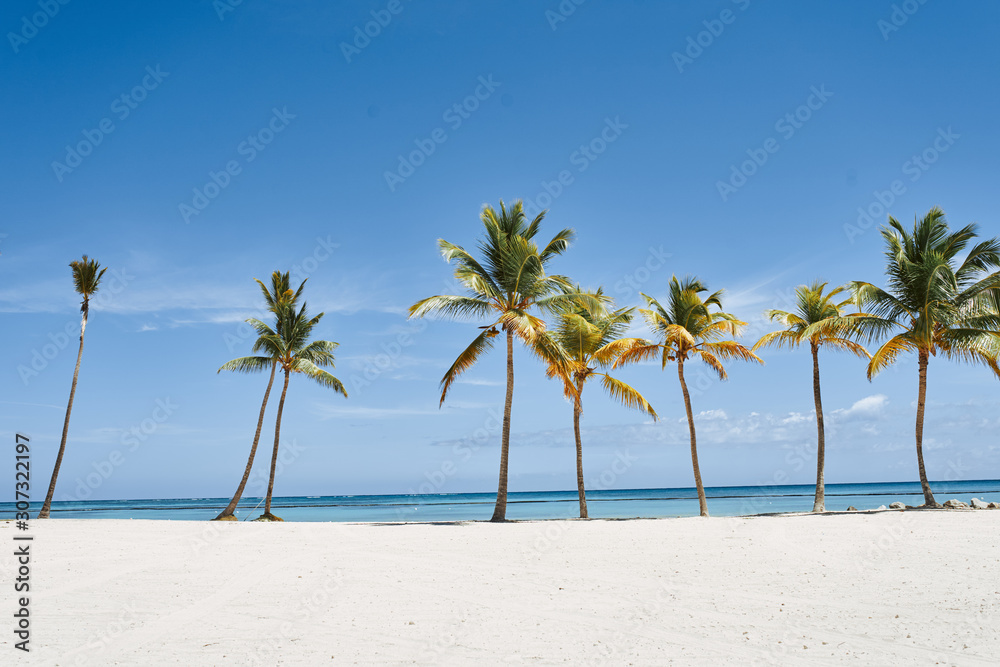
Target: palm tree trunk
500	511
231	508
577	411
702	502
274	453
47	505
921	399
819	503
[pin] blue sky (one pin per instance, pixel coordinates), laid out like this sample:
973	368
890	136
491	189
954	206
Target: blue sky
192	147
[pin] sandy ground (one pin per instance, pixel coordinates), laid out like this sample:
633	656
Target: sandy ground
890	588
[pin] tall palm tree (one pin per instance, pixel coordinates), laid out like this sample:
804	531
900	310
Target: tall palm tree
936	304
580	343
87	275
687	329
288	345
280	294
813	322
502	289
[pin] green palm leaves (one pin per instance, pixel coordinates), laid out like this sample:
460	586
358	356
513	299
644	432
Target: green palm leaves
87	275
819	320
507	282
933	304
938	307
690	326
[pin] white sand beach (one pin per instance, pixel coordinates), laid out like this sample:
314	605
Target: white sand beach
890	588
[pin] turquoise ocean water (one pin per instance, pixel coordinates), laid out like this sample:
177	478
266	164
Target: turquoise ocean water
630	503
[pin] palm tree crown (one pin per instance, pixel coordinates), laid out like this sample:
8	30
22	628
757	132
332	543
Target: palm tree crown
87	275
504	286
585	339
940	308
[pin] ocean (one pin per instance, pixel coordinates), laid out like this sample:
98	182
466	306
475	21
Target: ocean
620	504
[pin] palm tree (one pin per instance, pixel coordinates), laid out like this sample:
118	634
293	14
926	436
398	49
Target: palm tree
87	275
279	295
503	288
936	306
573	351
687	329
288	346
813	322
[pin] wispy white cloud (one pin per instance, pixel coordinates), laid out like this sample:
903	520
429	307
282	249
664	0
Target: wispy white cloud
478	382
326	411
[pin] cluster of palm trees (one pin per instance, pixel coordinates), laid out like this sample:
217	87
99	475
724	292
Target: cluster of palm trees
942	298
933	304
285	345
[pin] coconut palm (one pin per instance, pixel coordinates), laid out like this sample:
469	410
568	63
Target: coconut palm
936	304
503	288
812	322
288	346
87	275
579	344
687	328
280	294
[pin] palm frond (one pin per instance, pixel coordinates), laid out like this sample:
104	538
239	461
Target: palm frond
482	343
626	395
318	375
888	352
247	365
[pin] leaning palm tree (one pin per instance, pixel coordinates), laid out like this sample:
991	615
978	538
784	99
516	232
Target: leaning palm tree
502	289
288	346
812	322
280	294
936	304
87	275
687	329
580	343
